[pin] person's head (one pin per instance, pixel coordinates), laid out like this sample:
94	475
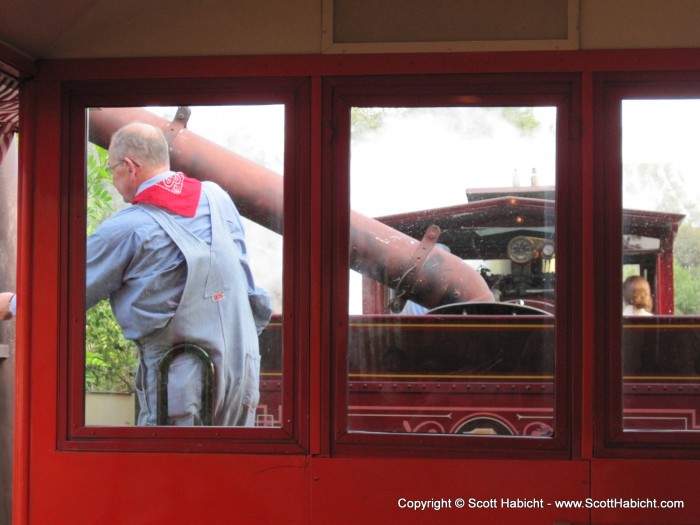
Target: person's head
137	152
636	291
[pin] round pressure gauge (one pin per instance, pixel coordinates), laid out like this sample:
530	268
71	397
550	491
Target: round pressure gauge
548	250
520	249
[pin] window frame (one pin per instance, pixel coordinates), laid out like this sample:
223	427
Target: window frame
77	97
610	438
562	90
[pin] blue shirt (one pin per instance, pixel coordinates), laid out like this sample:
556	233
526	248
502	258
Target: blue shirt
134	262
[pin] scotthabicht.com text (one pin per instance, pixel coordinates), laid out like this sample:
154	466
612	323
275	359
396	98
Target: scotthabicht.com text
437	504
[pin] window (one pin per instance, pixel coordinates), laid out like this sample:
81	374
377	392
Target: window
451	318
653	304
246	136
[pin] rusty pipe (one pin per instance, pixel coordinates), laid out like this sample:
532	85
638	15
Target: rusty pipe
430	277
258	191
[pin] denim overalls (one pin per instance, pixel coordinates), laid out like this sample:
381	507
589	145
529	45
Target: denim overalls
215	314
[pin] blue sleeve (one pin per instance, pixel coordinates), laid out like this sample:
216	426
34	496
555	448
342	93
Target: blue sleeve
109	251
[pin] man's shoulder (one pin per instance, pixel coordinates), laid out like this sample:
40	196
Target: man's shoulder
222	197
127	221
134	213
215	189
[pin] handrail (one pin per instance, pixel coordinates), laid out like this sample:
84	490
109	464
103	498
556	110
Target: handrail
207	381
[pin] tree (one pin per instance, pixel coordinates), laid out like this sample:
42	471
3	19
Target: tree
686	290
686	270
523	119
687	246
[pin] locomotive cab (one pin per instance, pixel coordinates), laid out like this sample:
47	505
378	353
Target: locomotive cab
508	236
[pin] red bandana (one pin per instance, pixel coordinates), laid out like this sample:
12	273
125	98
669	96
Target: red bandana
177	193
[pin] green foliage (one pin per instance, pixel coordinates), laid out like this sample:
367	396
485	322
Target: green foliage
686	292
366	120
100	203
110	360
687	246
686	270
523	119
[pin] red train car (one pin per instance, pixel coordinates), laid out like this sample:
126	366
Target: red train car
366	410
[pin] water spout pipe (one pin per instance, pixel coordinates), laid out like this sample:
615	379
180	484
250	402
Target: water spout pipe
419	272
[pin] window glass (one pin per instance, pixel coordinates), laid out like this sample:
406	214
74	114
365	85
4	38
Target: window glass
661	263
453	263
237	147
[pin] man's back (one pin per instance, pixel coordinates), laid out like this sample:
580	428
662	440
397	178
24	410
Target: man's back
131	258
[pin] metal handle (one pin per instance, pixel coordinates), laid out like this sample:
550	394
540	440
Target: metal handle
206	410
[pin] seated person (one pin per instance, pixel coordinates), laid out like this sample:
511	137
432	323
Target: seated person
637	296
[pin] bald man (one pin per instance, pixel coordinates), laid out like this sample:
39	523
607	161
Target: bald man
175	269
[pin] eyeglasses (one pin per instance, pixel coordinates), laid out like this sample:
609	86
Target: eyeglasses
110	169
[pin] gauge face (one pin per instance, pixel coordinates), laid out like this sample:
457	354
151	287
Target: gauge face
520	250
548	250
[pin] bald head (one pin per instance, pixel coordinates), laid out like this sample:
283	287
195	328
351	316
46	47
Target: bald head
144	144
137	153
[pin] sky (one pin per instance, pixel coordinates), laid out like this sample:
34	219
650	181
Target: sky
423	159
665	133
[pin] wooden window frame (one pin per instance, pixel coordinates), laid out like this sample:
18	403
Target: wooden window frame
292	435
610	438
339	95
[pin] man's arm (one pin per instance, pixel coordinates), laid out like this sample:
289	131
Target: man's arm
101	278
109	250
